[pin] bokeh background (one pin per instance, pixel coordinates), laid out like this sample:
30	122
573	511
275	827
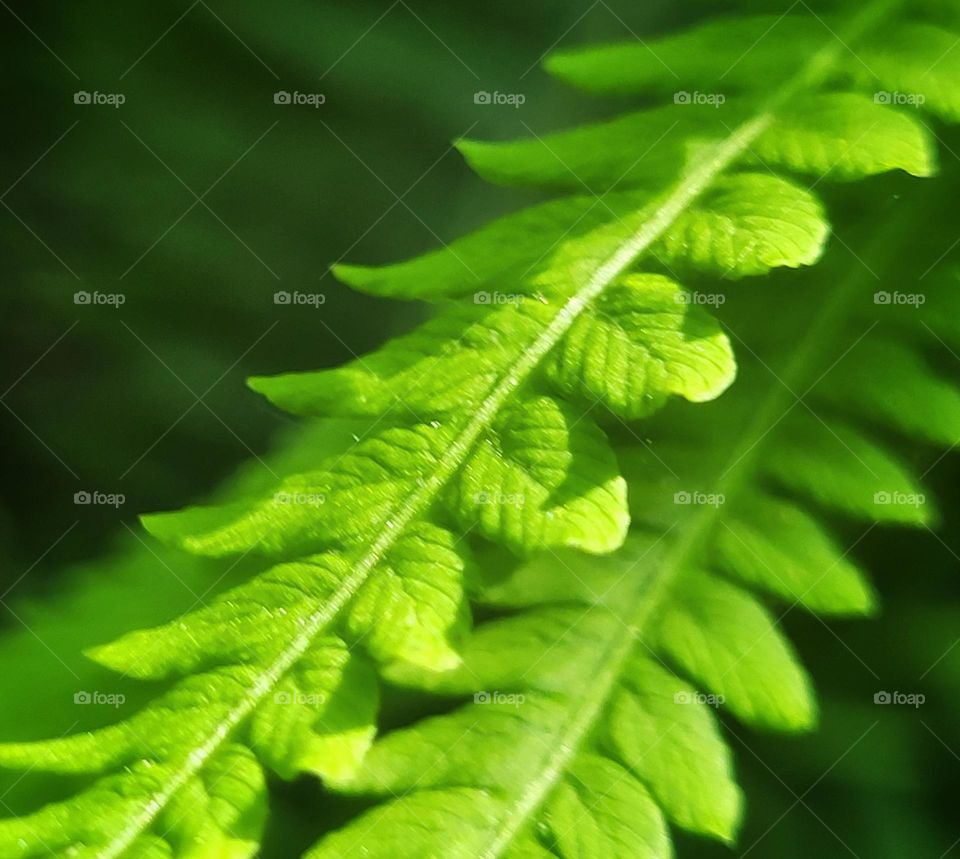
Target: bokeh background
199	198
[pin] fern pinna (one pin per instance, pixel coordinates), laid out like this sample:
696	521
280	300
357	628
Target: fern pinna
501	421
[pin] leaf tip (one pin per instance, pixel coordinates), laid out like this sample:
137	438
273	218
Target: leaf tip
109	656
471	150
351	275
159	525
558	63
259	384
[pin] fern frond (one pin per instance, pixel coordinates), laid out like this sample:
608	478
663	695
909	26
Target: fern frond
575	676
480	421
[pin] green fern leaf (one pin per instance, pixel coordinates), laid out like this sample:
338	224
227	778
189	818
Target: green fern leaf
322	716
774	545
843	136
415	609
747	225
659	726
913	65
477	408
427	373
724	639
543	477
641	342
710	56
891	383
840	467
600	810
836	135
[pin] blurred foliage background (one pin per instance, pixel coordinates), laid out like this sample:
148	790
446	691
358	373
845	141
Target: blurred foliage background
200	198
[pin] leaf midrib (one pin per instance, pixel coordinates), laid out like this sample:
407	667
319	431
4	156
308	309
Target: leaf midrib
673	204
